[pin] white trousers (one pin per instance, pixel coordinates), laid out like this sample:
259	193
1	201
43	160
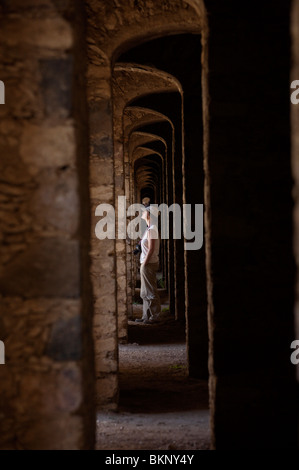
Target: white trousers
149	292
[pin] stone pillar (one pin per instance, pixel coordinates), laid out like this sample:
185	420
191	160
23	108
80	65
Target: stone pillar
180	313
195	267
120	244
121	250
47	383
249	239
170	242
165	199
129	243
102	251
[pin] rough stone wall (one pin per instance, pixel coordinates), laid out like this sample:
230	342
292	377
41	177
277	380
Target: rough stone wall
250	236
130	245
103	267
47	383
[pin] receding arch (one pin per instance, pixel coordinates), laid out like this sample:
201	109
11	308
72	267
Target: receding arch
128	26
138	138
129	82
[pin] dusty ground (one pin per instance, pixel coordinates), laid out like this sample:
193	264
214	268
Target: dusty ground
160	407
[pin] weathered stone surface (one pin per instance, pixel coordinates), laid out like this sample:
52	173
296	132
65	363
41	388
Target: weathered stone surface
47	147
51	391
57	92
101	194
102	326
62	347
101	173
33	5
105	303
51	33
67	429
37	307
107	392
12	169
55	203
50	267
102	146
100	118
47	401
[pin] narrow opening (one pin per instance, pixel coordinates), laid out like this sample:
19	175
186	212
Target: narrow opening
163	366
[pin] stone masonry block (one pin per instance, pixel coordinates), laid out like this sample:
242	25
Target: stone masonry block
48	268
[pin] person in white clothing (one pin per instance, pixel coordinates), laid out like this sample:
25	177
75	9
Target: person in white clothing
149	260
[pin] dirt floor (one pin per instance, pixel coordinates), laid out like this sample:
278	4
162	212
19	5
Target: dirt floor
160	407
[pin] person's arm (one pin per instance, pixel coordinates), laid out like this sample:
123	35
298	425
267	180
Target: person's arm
151	247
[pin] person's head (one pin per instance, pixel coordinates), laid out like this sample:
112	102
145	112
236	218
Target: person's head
150	214
146	215
146	201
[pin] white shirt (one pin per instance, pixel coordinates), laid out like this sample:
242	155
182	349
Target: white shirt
144	245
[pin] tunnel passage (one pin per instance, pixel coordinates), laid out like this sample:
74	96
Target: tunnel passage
129	81
147	103
179	55
134	119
